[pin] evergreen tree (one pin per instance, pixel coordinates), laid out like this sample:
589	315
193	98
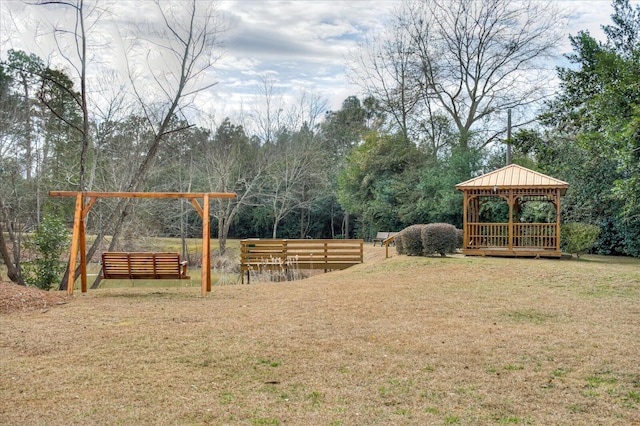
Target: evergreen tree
595	139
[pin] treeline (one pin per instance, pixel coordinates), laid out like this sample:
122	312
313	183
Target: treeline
379	163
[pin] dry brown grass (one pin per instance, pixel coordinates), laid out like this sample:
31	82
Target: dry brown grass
393	341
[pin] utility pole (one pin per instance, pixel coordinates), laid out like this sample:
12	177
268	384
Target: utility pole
508	136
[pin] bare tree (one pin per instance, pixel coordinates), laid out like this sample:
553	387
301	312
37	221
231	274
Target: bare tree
112	106
384	68
306	111
232	163
470	59
176	59
266	116
73	45
296	168
186	47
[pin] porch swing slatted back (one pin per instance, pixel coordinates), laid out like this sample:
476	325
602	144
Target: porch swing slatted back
143	266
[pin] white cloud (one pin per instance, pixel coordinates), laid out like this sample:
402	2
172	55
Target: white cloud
300	44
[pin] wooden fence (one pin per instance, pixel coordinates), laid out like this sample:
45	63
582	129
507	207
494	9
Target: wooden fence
257	255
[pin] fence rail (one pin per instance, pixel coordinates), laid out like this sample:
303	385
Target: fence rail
282	254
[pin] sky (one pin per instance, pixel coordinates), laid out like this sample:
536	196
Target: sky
301	46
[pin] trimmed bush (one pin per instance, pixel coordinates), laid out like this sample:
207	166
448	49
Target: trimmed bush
411	240
460	241
399	243
578	238
439	238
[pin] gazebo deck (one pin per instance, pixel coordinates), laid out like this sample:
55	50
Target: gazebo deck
515	252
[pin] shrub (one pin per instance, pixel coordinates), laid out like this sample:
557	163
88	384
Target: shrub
439	238
460	240
49	240
411	240
579	238
399	243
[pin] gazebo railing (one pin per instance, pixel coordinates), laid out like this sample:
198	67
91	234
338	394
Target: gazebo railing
534	235
488	235
525	235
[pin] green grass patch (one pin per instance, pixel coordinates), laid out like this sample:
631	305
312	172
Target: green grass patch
452	420
597	381
512	367
530	316
265	421
561	372
509	420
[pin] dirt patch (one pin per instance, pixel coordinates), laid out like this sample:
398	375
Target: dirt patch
15	298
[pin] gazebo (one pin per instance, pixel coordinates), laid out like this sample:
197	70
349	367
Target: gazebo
515	185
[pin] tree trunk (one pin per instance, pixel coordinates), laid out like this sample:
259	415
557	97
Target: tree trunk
13	269
13	264
346	225
126	202
222	238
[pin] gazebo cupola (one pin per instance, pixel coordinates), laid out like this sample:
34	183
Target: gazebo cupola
515	186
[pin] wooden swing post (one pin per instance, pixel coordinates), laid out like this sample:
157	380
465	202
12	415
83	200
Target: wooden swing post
78	237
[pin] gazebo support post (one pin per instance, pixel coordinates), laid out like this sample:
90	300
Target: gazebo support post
511	200
465	212
557	203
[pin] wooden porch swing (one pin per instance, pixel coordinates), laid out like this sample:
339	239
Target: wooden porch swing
78	238
515	185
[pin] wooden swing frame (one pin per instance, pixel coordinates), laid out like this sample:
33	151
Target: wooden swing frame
78	237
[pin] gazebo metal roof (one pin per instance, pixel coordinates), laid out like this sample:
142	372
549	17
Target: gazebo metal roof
513	176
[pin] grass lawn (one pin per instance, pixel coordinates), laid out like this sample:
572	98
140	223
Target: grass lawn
402	341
